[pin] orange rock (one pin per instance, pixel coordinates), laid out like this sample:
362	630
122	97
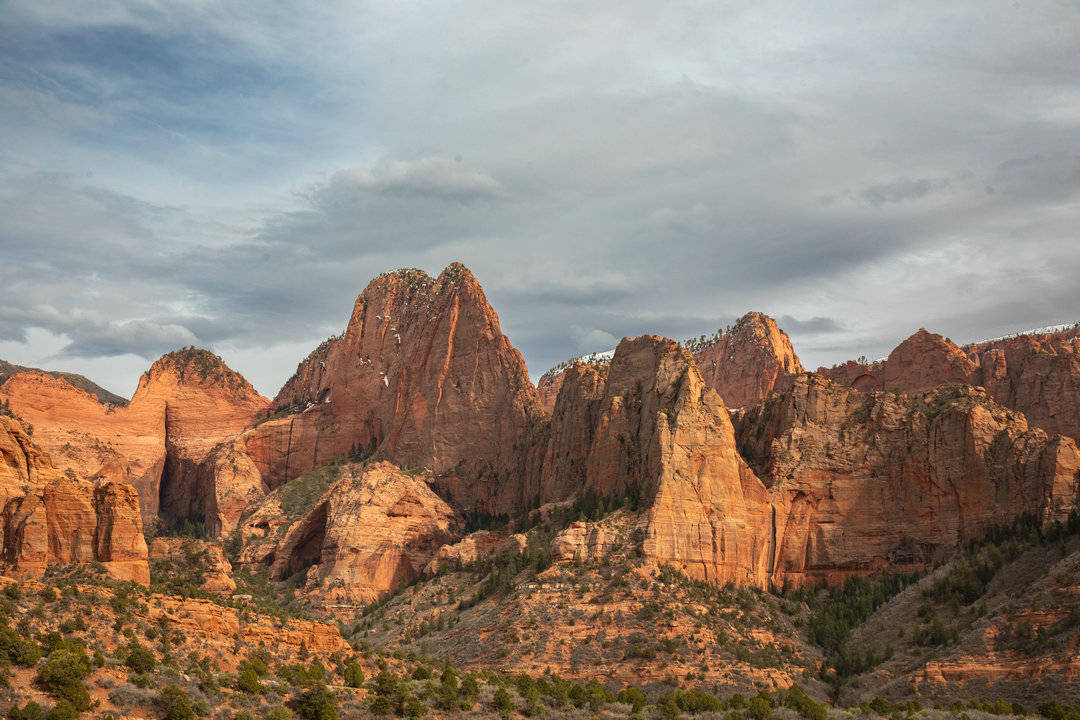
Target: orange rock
475	546
51	518
747	363
185	404
1037	374
373	531
207	556
861	482
422	376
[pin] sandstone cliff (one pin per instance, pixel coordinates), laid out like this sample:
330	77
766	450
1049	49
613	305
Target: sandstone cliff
422	376
861	482
653	429
49	517
747	363
375	529
1037	374
185	404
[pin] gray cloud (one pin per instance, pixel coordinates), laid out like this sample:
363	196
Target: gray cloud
181	174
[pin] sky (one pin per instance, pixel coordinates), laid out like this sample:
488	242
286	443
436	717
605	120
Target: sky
231	175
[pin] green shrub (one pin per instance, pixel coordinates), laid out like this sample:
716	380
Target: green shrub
632	696
354	675
174	704
315	703
248	681
29	711
62	710
62	675
139	658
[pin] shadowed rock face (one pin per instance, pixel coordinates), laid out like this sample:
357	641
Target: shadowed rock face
186	404
51	518
1039	375
376	528
422	376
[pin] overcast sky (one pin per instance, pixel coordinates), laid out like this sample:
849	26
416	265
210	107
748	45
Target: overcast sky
231	175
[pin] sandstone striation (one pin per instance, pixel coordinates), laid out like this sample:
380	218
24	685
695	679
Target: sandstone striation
653	429
186	404
375	529
473	547
1037	374
49	517
863	482
747	363
423	377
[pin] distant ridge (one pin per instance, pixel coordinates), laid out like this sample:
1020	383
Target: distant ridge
83	383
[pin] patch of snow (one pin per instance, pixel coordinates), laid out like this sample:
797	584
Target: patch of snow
1049	329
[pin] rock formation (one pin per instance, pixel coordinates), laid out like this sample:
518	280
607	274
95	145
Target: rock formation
206	557
1037	374
655	430
860	482
49	517
185	404
376	529
422	376
842	482
747	363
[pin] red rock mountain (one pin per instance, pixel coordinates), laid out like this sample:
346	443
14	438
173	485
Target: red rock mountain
842	482
751	360
422	376
1037	374
51	517
185	404
862	482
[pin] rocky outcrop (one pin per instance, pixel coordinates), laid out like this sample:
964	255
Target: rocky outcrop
185	405
473	547
584	541
862	482
653	429
205	558
79	381
376	529
839	482
748	362
548	387
49	517
1037	374
423	377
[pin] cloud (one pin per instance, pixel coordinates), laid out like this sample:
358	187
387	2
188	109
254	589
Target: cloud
92	335
431	176
902	190
233	174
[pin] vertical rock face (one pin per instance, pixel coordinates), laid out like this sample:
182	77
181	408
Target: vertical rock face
659	431
422	376
548	387
84	436
839	482
747	363
1037	374
187	403
374	530
52	518
201	402
862	482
